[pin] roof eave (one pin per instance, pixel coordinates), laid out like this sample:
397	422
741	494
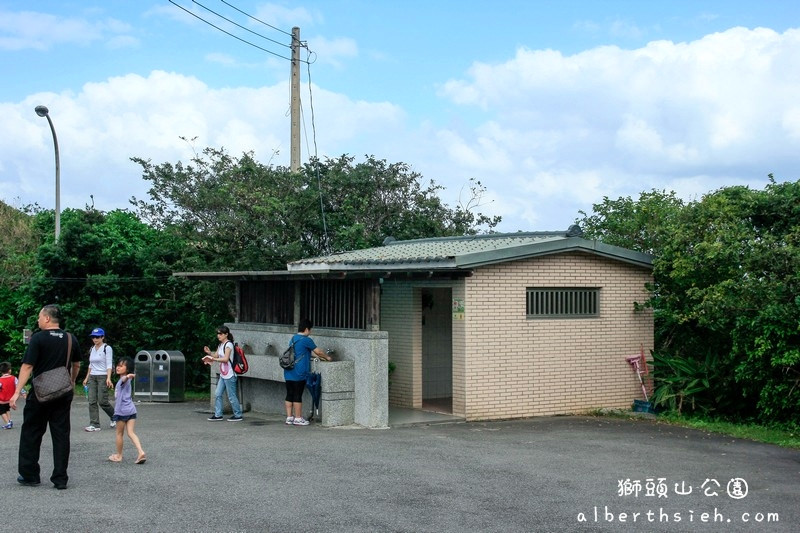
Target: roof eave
310	274
378	266
552	247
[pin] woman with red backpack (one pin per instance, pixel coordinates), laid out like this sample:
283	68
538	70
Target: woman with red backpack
227	377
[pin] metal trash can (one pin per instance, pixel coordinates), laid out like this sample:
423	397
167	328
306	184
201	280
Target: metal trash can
168	376
142	383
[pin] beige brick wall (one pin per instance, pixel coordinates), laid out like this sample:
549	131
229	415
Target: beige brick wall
507	366
516	367
400	311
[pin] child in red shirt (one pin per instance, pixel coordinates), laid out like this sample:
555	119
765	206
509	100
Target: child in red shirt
8	385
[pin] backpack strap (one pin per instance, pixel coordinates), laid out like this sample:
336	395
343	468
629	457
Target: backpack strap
69	348
297	358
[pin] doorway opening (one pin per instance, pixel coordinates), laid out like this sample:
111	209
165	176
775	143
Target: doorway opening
437	350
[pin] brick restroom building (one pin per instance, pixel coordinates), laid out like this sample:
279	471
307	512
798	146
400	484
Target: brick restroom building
482	327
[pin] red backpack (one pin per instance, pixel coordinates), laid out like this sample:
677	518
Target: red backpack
240	365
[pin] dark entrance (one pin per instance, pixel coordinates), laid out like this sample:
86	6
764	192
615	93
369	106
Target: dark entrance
437	350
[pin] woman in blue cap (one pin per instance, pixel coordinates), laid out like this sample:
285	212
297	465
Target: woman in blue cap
98	379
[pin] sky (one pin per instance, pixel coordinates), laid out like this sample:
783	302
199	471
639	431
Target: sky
551	105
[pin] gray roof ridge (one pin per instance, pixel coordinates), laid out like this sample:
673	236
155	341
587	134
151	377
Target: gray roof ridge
480	236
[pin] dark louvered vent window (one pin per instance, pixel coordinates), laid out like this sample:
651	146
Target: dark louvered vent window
337	304
267	302
563	302
342	304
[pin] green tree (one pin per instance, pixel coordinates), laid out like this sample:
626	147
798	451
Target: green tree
113	271
18	244
642	225
244	215
366	202
725	295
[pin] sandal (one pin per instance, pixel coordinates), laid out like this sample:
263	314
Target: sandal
114	458
141	459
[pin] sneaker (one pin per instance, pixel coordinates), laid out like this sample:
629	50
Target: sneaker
235	419
215	417
9	425
289	420
27	482
112	424
91	428
300	421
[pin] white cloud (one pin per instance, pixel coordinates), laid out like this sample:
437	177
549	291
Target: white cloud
281	16
791	123
108	122
222	59
122	41
610	121
42	31
331	51
546	133
626	28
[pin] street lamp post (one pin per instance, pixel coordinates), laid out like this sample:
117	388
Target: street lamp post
42	111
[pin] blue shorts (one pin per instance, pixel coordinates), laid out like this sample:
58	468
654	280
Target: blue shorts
123	418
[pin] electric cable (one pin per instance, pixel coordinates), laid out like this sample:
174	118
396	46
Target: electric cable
240	26
229	33
254	18
316	155
93	280
308	64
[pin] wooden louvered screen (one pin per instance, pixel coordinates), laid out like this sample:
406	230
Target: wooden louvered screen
345	304
266	302
342	304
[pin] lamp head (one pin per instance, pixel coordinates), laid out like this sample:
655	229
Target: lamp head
41	110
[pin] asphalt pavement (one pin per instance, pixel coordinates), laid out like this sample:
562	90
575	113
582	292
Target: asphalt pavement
541	474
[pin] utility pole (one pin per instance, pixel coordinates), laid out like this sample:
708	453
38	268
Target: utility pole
295	103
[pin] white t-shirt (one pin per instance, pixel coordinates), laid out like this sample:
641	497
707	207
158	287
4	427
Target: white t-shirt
225	369
100	360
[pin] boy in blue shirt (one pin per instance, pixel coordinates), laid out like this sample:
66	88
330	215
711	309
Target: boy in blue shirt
304	349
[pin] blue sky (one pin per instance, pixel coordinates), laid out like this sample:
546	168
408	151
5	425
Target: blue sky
551	105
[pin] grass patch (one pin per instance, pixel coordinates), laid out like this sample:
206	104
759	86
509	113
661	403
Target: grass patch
190	395
786	438
197	395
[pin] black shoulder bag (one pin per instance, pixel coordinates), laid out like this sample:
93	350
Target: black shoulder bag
56	382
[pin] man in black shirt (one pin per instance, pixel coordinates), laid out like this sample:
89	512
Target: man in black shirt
47	349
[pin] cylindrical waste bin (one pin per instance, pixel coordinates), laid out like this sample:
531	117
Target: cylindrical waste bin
142	383
168	376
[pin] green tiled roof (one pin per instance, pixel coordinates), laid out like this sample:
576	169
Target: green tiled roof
449	253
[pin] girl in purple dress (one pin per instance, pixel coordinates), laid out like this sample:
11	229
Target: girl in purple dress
125	411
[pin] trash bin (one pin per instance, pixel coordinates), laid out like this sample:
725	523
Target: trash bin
142	384
168	376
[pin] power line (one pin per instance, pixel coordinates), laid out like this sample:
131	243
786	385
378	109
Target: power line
229	33
311	105
307	62
257	20
316	155
94	280
240	26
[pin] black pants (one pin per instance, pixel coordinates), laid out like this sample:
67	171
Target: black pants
294	391
35	419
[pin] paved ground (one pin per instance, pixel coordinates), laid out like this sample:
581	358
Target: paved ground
529	475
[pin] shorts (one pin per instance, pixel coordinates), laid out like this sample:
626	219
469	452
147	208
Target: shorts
294	391
123	418
4	408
